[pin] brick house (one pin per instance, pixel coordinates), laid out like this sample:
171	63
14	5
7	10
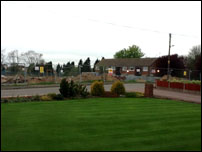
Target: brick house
128	66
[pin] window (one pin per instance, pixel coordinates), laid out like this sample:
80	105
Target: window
145	68
124	68
111	67
131	68
153	71
97	68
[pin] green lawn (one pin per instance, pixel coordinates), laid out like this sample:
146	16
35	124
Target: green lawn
101	124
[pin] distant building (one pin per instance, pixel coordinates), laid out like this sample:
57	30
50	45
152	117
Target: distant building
128	66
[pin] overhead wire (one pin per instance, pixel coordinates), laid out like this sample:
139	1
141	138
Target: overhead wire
143	29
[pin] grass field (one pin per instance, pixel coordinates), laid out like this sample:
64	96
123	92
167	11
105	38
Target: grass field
101	124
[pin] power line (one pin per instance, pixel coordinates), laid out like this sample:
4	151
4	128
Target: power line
141	29
184	35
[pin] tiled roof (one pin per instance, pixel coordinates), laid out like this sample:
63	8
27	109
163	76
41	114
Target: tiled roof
127	62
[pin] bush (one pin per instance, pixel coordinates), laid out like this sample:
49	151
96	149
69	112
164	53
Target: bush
139	94
134	94
35	98
59	97
131	94
68	89
82	90
187	81
64	88
19	99
130	81
110	94
118	88
97	88
71	89
4	100
45	98
52	95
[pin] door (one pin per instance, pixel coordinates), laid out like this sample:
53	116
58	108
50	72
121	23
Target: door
118	71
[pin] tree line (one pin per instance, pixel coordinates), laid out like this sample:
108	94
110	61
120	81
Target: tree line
14	62
191	62
32	59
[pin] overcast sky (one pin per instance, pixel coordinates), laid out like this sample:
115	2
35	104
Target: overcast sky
70	31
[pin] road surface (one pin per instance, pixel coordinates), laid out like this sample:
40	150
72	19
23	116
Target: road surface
138	87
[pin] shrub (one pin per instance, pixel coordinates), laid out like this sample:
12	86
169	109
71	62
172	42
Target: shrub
35	98
97	88
73	89
187	81
131	94
82	90
130	81
64	87
118	88
59	97
52	95
4	100
110	94
45	98
19	99
24	99
68	89
134	94
16	99
139	94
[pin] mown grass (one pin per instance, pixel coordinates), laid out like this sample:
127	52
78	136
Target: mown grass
101	124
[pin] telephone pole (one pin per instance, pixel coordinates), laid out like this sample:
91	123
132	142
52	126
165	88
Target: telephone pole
168	74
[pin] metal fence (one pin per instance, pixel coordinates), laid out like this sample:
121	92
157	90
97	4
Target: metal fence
20	74
187	74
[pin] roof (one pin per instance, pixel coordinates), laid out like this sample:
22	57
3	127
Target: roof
127	62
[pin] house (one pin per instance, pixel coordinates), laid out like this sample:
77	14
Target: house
128	66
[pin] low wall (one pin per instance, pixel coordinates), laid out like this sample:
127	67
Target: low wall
179	87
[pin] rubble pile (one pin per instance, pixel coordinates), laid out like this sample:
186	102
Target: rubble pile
92	77
12	79
85	76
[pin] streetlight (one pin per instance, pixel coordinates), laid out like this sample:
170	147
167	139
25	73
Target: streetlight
168	73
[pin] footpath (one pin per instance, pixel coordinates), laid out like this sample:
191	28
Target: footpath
165	94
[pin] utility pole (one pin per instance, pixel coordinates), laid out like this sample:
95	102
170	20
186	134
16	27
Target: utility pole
80	72
104	74
168	74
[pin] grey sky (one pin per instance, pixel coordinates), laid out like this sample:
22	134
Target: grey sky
69	31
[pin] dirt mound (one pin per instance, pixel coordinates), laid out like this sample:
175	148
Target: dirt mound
85	76
13	79
4	79
41	79
88	76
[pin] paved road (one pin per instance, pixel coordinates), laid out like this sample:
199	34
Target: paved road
129	87
42	91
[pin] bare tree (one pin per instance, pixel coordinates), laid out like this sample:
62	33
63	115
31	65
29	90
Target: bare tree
31	56
3	56
13	57
194	52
